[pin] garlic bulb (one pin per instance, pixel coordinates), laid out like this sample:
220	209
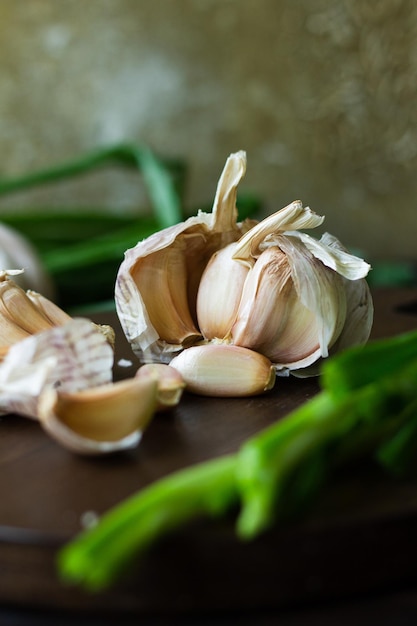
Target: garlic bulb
264	286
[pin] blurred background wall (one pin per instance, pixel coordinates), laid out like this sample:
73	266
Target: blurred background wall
320	93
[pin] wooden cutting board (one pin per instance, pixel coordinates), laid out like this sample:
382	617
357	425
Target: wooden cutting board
360	536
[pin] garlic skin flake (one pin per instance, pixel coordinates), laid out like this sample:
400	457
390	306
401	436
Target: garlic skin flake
265	286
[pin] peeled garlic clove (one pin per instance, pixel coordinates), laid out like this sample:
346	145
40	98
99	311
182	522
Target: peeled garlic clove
101	419
224	370
170	383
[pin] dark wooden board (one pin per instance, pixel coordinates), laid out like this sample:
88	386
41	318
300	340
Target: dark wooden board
361	534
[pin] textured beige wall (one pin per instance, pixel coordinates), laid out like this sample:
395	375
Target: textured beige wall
320	93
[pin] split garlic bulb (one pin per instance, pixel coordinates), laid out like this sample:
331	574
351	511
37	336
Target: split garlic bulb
265	286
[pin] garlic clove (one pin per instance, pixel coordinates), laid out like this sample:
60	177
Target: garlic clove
263	307
59	317
320	289
357	327
101	419
15	304
271	318
360	308
170	384
219	293
298	341
224	370
72	357
359	316
10	333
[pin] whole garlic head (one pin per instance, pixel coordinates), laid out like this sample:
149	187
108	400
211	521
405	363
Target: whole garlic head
266	286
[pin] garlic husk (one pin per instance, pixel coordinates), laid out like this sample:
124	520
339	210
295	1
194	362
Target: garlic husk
359	315
156	306
25	313
72	357
99	420
320	291
292	217
222	370
170	384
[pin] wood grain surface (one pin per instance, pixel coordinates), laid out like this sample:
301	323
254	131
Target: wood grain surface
359	536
